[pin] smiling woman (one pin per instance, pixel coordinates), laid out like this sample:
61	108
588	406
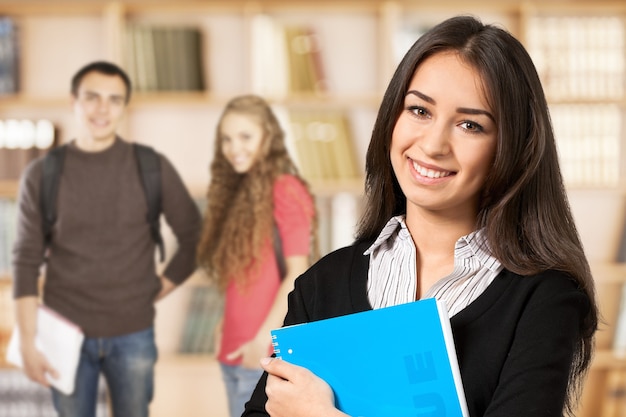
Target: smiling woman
241	139
444	142
464	203
259	210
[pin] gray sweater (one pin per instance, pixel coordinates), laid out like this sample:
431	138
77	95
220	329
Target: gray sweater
101	271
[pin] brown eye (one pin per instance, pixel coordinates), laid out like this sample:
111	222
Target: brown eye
418	111
471	126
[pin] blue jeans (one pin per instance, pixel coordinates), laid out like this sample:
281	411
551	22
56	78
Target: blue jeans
240	383
127	363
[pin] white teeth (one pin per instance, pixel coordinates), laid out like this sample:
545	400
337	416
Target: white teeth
429	173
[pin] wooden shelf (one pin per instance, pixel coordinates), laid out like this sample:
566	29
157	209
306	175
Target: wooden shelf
326	188
17	101
199	98
9	189
609	273
588	101
52	8
609	359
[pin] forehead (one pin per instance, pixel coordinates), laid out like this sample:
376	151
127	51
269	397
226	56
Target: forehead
241	120
447	72
98	82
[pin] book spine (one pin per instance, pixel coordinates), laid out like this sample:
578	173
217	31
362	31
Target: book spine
614	404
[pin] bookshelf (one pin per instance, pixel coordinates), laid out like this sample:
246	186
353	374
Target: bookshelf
599	397
8	189
360	42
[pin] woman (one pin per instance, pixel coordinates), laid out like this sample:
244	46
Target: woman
465	203
256	199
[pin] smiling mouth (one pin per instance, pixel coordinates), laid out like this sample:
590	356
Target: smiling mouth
240	160
100	123
430	173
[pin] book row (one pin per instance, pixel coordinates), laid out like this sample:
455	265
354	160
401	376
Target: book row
165	58
614	401
286	58
322	144
21	141
588	137
579	57
8	222
203	313
9	56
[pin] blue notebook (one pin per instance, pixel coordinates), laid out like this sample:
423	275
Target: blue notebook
396	361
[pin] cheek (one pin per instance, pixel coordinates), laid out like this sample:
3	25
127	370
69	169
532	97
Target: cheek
257	148
82	109
481	163
395	156
225	149
405	134
401	140
118	111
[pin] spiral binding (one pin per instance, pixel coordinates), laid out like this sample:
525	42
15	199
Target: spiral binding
275	347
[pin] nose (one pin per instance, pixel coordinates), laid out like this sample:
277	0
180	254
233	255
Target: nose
235	145
103	106
436	140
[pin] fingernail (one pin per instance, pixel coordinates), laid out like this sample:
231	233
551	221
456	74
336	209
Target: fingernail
265	361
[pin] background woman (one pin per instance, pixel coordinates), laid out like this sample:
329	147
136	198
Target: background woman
255	191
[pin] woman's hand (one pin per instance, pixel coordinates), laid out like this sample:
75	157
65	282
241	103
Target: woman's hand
167	287
294	391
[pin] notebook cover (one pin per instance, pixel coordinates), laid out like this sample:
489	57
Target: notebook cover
395	361
59	340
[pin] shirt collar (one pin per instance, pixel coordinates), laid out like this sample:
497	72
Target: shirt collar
472	245
388	231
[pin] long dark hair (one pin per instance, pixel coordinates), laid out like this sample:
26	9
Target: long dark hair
523	208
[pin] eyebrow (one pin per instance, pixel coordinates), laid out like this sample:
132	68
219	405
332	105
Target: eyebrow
464	110
113	96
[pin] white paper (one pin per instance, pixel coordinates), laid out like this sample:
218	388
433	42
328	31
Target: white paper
59	340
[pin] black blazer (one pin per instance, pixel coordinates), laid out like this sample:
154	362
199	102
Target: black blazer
515	342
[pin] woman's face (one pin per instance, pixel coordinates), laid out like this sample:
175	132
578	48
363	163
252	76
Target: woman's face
444	141
241	137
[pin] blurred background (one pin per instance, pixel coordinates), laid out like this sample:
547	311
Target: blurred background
324	66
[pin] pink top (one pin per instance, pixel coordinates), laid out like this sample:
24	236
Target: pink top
246	309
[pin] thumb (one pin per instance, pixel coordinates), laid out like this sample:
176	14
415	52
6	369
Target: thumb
278	367
53	372
48	368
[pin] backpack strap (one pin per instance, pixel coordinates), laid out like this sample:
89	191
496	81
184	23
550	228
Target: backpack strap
278	251
149	165
50	178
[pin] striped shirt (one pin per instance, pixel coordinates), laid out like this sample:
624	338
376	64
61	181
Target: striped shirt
392	276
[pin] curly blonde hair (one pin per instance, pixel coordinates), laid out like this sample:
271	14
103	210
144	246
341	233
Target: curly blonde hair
239	213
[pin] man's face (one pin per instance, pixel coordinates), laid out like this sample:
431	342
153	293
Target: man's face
99	106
